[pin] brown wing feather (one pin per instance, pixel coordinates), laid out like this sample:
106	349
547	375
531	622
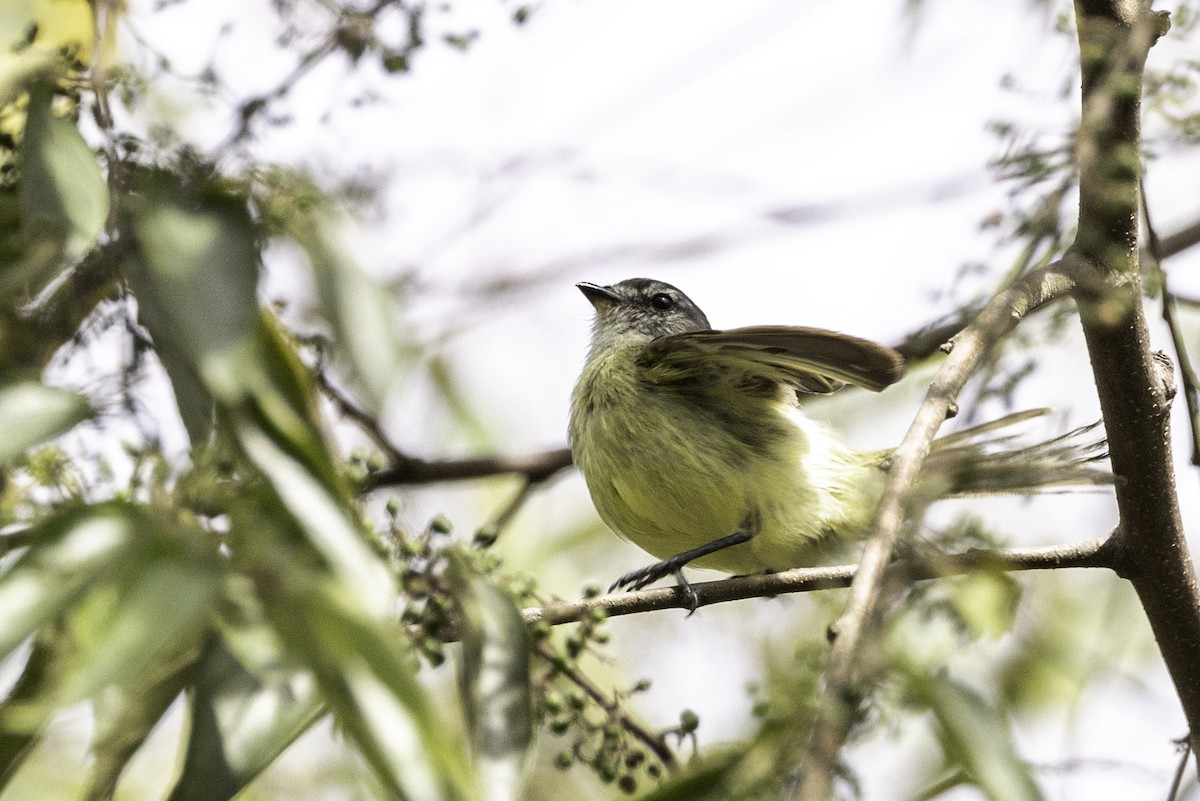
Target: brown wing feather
810	359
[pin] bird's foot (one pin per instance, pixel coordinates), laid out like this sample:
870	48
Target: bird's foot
643	577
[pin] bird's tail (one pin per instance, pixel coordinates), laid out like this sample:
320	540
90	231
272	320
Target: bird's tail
990	459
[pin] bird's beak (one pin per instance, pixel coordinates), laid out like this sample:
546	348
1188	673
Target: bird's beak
599	295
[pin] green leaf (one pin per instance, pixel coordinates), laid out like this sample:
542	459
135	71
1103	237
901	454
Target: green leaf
359	309
17	742
131	628
369	683
124	717
62	193
710	779
986	601
494	682
325	520
196	276
976	736
193	401
362	314
24	68
70	552
32	412
242	719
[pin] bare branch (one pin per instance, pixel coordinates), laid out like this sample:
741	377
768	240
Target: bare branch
536	467
1089	553
1181	240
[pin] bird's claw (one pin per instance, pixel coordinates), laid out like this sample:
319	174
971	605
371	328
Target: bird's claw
644	577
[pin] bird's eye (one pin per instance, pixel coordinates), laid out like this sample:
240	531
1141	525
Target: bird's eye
662	301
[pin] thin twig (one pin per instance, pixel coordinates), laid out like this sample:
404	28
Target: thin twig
250	108
1181	240
1089	553
655	742
405	469
536	467
1191	384
350	408
1186	751
489	532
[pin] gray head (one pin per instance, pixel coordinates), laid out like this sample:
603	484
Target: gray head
639	310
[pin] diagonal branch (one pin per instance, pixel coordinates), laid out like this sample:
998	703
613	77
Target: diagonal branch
843	681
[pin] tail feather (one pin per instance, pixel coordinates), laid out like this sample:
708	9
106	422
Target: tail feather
982	460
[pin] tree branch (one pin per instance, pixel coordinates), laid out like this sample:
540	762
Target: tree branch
1134	388
1089	553
999	316
1181	240
536	467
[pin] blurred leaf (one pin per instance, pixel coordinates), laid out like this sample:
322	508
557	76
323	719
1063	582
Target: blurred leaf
196	278
986	601
368	682
16	743
362	314
458	404
241	721
285	404
325	519
1074	629
494	682
124	717
69	553
976	736
360	310
135	627
193	401
115	601
33	413
22	68
709	780
62	194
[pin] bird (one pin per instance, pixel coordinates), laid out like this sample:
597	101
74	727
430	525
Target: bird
694	445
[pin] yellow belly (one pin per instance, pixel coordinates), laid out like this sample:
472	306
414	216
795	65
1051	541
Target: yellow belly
670	492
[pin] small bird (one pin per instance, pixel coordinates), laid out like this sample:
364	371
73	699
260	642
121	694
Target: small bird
694	446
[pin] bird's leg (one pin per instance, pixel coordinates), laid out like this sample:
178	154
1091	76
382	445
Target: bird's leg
673	565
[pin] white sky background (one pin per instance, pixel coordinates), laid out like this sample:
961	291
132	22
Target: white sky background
577	146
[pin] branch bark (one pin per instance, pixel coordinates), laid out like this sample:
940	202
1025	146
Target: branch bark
1088	553
536	467
1134	387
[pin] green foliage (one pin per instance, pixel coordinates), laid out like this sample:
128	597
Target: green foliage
495	682
34	413
248	583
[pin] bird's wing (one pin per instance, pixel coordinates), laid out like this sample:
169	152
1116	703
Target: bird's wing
809	359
